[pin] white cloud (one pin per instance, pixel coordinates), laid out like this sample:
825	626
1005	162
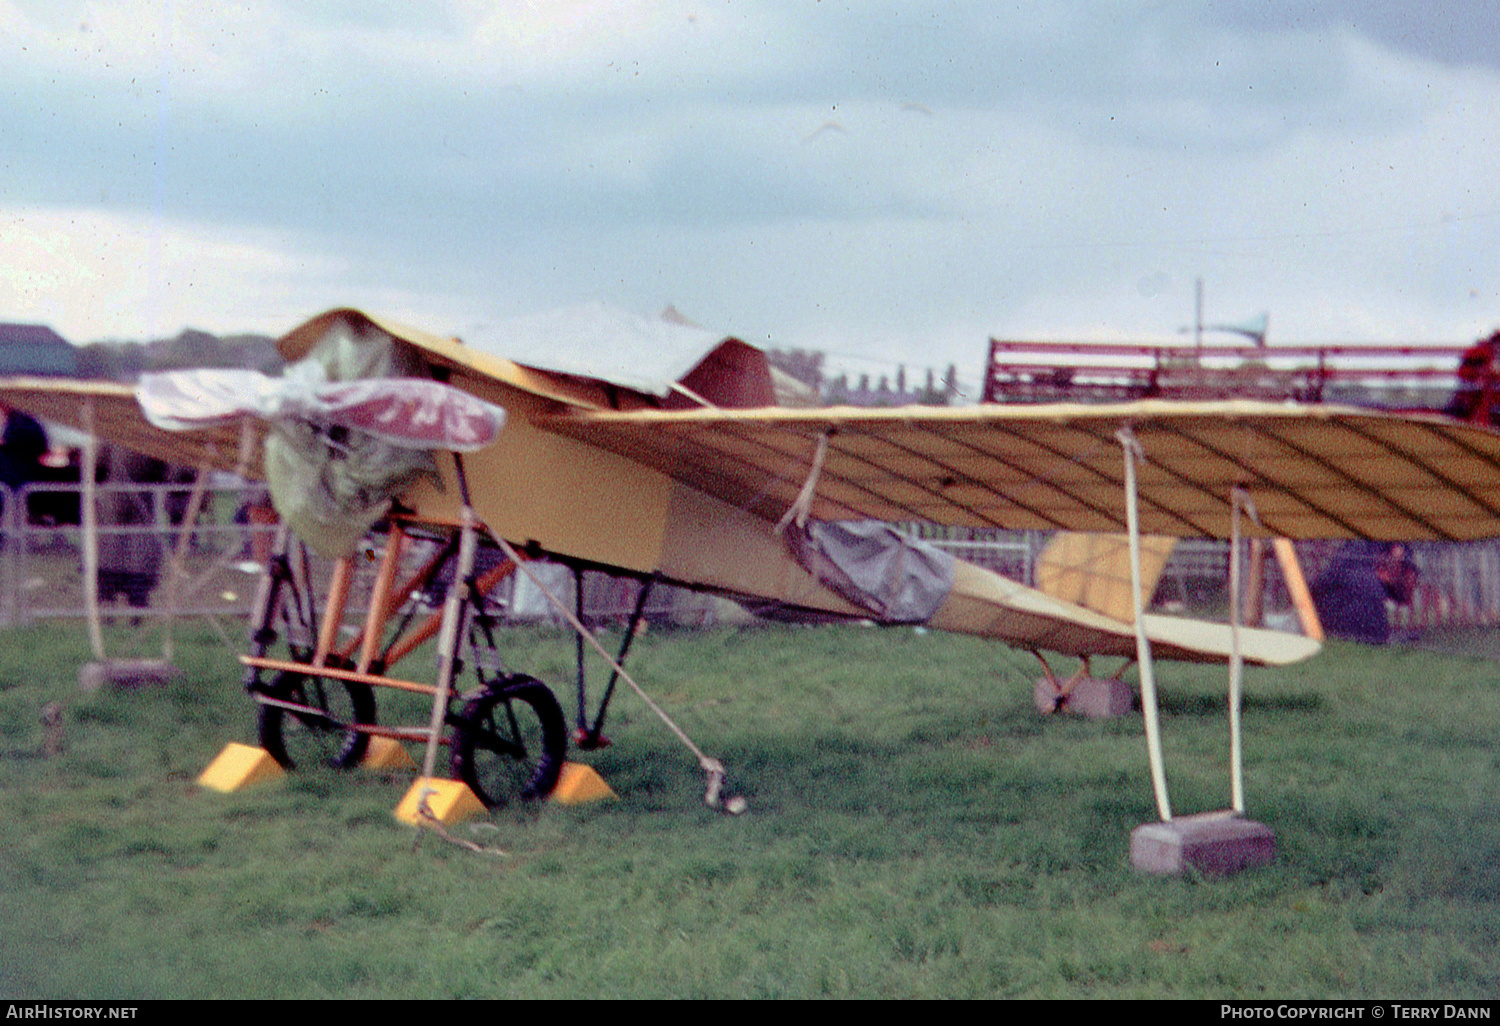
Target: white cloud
94	274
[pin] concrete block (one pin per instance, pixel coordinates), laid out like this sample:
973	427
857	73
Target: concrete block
1091	697
1046	697
126	673
1214	843
1099	699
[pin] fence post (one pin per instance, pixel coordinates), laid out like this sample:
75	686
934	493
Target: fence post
9	583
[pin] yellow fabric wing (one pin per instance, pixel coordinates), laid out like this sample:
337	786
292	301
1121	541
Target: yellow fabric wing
116	416
1312	471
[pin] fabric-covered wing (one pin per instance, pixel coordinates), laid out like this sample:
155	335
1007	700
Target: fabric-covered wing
1312	471
117	416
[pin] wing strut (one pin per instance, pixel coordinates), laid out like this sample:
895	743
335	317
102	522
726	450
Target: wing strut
1240	502
1132	448
715	794
799	509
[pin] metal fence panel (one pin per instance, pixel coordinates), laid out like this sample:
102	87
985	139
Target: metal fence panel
41	566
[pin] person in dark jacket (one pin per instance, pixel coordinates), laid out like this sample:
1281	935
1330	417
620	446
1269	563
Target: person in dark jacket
1351	592
23	443
130	554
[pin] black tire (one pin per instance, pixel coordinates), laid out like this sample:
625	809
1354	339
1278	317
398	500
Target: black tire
510	742
309	739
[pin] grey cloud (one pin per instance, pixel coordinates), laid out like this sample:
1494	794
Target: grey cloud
1458	32
998	163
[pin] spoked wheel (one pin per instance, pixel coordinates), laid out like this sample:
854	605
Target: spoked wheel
319	733
510	741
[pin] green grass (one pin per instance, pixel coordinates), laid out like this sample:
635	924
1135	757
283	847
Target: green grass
916	829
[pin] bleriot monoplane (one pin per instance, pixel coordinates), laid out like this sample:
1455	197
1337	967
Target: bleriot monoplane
694	477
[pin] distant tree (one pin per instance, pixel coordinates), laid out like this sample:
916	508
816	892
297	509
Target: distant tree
112	361
125	361
189	349
257	352
804	365
930	394
807	366
838	391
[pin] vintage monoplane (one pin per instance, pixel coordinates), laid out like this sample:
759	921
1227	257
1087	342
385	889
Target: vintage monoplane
695	477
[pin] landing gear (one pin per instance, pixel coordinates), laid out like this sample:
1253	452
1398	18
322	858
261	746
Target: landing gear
310	721
510	742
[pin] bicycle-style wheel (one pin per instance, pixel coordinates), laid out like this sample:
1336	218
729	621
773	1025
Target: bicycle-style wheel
510	742
319	730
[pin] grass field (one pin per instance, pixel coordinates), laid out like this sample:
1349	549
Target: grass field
916	829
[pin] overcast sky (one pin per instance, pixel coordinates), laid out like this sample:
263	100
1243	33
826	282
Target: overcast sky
897	180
